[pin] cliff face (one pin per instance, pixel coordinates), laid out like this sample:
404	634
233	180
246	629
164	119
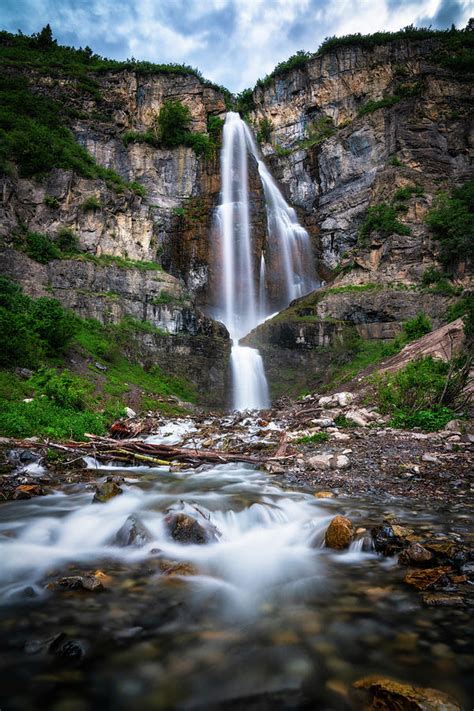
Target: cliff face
428	132
126	225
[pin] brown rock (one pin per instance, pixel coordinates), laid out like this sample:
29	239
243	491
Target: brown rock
26	491
340	533
186	529
324	495
172	568
426	579
442	600
415	554
385	694
91	583
106	491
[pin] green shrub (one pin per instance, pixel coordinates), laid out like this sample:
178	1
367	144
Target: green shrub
428	420
20	344
431	276
199	142
381	218
452	222
41	248
140	137
214	128
343	421
318	131
372	106
396	162
315	438
53	324
463	308
420	385
91	203
280	151
44	418
64	389
416	327
245	102
264	132
67	241
173	123
406	192
51	201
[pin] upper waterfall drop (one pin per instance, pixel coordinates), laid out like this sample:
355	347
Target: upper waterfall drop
256	279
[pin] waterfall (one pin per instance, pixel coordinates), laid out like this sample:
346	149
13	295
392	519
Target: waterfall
255	280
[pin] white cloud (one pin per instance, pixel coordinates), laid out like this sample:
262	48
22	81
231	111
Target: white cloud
233	42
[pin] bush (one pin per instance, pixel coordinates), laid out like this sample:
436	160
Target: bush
64	389
91	203
20	344
382	218
67	241
264	132
53	324
173	123
318	131
406	192
416	327
464	308
431	276
372	106
51	201
41	248
452	223
44	418
214	128
421	394
199	142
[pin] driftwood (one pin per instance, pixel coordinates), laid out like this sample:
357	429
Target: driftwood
157	454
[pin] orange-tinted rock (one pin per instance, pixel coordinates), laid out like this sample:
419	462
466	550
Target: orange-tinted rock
340	533
426	579
385	694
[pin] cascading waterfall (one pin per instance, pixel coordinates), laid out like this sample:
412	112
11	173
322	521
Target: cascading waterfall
255	282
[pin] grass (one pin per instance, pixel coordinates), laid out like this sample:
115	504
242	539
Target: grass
315	438
120	262
354	288
318	131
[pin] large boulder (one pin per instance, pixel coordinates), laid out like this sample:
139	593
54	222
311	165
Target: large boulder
190	525
340	533
106	491
133	533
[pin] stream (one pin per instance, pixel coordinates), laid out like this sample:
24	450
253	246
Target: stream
262	611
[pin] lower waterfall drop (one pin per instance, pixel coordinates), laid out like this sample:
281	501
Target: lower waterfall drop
256	280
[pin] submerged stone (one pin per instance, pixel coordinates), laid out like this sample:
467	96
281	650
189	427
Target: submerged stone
106	491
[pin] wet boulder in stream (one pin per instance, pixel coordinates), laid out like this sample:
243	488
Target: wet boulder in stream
133	533
106	491
340	533
190	525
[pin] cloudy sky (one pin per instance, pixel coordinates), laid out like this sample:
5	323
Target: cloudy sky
233	42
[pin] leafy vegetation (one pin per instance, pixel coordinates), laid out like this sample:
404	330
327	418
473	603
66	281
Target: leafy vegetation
38	333
419	394
463	308
407	192
91	203
34	136
245	102
264	132
452	222
381	218
455	51
318	131
416	327
315	438
58	60
31	329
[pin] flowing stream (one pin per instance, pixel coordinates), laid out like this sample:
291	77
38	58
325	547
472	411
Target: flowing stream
262	608
257	279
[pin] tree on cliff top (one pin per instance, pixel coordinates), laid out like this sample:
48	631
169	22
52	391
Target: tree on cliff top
173	123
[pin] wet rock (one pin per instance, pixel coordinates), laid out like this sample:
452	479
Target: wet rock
106	491
274	468
390	538
133	533
22	456
426	579
442	600
324	495
91	583
172	568
41	646
187	529
340	533
26	491
320	461
385	694
71	651
340	461
415	554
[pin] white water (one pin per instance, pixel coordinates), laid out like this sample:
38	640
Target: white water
269	540
255	282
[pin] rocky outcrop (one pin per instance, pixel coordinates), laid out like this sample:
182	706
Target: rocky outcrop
425	133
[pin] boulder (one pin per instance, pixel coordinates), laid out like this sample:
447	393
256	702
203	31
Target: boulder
415	554
323	422
339	533
326	401
344	399
106	491
385	694
91	583
340	461
320	461
186	529
133	533
357	417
